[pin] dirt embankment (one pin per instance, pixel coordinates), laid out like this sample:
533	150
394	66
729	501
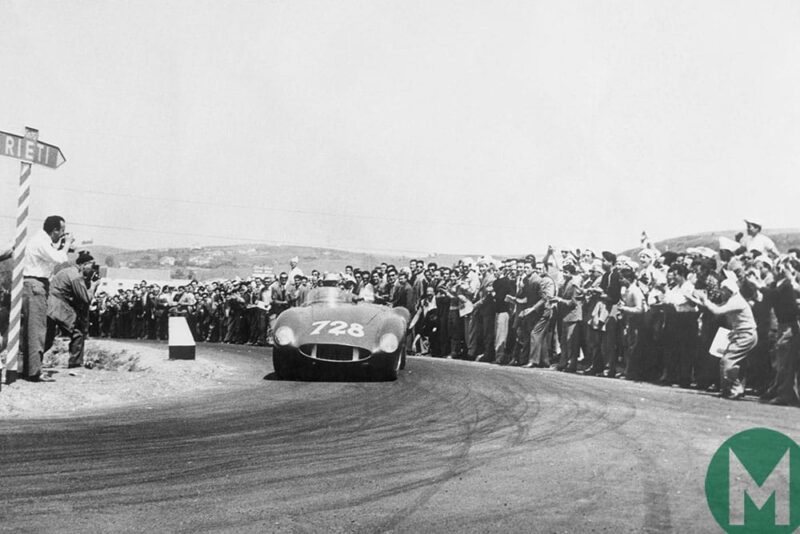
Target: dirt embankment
122	374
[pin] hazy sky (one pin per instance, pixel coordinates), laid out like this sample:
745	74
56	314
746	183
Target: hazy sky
457	126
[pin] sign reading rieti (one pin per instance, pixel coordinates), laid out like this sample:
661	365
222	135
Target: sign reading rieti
19	147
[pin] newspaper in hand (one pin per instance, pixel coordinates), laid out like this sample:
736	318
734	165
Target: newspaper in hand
720	343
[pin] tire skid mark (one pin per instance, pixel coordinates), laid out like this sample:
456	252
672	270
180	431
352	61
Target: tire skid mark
549	436
412	437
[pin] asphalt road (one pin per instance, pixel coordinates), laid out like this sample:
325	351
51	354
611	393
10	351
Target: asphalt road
449	447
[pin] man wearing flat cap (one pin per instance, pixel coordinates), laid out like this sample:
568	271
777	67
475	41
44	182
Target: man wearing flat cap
71	292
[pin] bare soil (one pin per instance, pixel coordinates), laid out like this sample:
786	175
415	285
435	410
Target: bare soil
123	374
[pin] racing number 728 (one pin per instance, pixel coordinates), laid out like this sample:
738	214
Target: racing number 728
337	328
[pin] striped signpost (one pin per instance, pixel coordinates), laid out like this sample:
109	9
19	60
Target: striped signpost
29	150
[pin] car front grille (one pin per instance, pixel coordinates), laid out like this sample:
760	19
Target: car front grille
335	353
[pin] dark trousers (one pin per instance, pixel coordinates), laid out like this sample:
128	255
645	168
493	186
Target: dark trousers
487	321
680	333
162	319
455	327
511	338
571	334
632	345
232	327
610	342
592	353
787	356
524	328
442	334
541	339
259	321
151	327
652	340
77	339
138	327
471	333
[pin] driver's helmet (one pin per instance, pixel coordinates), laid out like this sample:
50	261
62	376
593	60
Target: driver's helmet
330	280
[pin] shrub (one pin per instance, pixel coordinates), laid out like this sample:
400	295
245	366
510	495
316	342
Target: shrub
98	358
93	358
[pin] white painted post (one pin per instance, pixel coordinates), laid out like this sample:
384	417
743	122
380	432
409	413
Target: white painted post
21	238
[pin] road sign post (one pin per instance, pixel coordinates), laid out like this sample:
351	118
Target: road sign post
29	150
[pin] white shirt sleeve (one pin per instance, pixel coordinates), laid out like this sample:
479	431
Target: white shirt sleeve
41	256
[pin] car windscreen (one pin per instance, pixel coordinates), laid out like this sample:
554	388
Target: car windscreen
328	295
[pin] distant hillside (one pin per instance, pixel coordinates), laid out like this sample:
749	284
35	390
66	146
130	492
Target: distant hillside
239	260
784	240
209	262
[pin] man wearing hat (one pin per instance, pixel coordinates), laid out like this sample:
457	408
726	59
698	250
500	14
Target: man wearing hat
71	291
755	240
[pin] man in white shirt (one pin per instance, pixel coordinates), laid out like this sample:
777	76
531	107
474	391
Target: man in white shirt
755	240
45	249
680	328
294	270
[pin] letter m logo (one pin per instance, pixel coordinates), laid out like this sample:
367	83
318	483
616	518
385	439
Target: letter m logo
741	483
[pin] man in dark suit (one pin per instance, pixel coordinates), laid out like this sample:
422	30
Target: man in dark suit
611	288
403	294
68	305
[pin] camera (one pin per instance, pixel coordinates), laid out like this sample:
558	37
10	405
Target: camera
95	272
64	239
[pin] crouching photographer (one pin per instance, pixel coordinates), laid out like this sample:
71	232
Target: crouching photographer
71	292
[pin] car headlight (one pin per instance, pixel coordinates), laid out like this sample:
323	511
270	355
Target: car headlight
388	343
284	336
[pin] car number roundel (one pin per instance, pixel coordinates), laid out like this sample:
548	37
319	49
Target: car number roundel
337	328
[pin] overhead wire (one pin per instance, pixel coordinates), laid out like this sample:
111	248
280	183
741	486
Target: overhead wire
233	240
272	208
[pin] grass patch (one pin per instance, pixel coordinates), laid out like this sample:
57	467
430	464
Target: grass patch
93	358
108	360
58	355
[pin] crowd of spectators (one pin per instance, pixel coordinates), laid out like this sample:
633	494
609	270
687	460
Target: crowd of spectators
652	317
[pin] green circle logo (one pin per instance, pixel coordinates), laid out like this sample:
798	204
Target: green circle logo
753	483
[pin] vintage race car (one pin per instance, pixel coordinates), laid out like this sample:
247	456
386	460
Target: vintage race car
330	337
